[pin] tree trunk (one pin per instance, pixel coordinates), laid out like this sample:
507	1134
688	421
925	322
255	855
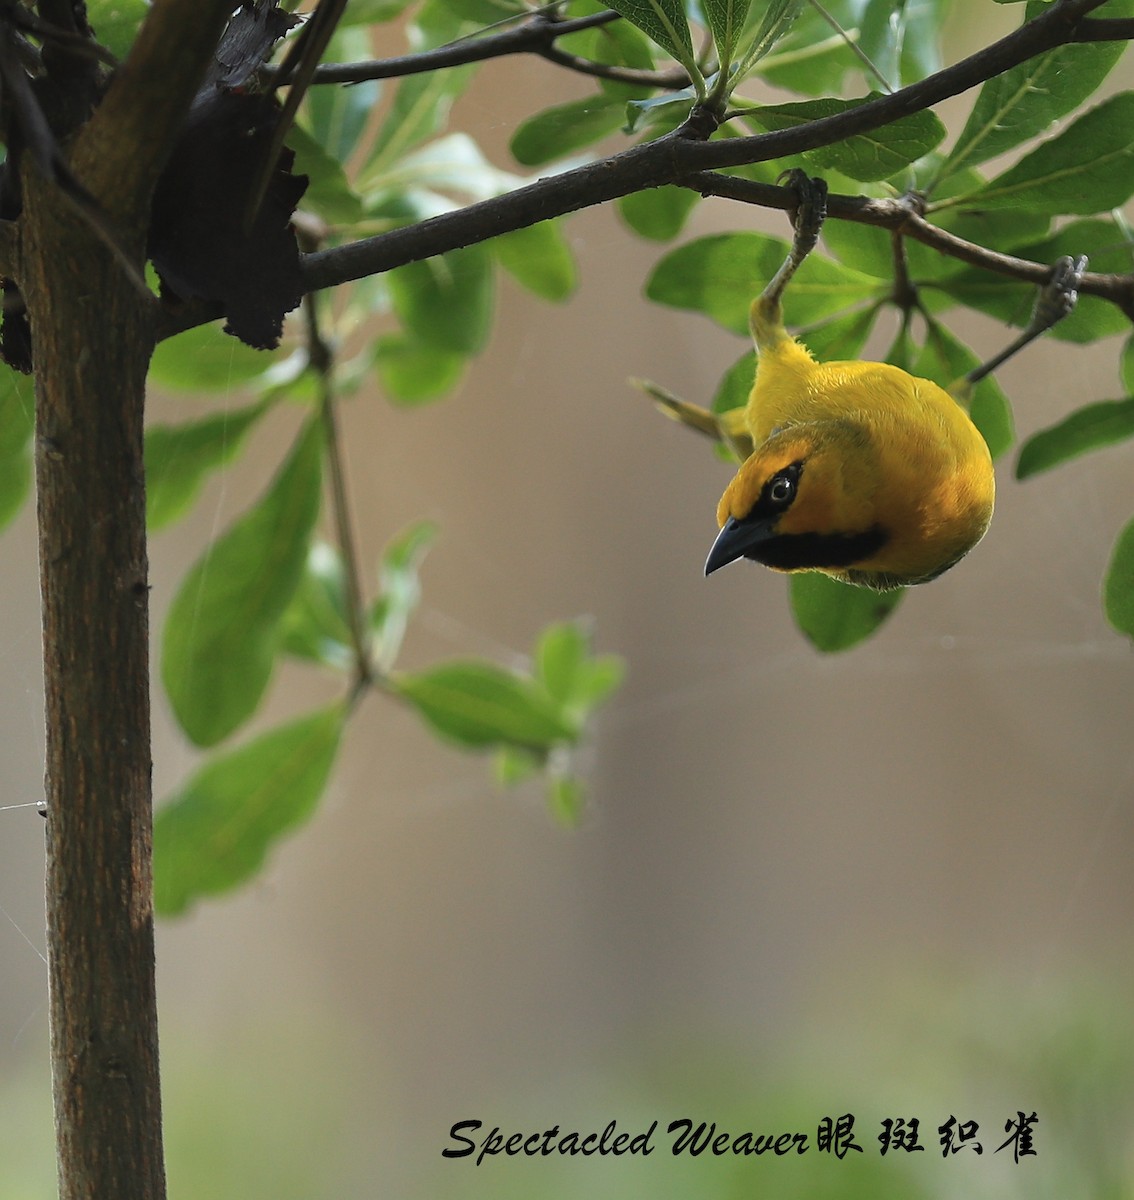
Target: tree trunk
92	340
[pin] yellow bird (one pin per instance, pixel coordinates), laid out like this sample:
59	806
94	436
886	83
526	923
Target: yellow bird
855	469
859	469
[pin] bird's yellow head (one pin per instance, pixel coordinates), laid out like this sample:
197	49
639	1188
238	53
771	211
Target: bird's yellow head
835	496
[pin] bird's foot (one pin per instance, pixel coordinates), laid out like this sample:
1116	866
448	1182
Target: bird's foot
765	316
1060	294
810	211
1056	299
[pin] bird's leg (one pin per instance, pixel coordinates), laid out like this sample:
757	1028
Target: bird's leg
1056	299
766	314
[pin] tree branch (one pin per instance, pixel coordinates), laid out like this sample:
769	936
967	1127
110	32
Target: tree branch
675	78
676	157
9	250
120	152
1104	29
321	356
534	36
901	215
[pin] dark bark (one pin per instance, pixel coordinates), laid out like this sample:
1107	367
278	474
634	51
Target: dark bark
92	337
92	347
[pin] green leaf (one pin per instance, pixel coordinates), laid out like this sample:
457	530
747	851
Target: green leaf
841	337
900	37
180	457
511	766
658	213
454	163
946	360
864	157
566	799
447	301
337	115
659	114
419	111
560	654
575	680
666	23
315	625
810	59
480	706
399	589
17	420
726	19
721	274
566	128
1118	584
736	384
1087	168
760	35
539	258
1027	100
616	44
328	192
1090	428
205	359
901	352
1126	365
414	372
221	632
216	831
115	23
866	248
835	616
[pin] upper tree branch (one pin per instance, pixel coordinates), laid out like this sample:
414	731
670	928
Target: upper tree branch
1104	29
676	156
120	153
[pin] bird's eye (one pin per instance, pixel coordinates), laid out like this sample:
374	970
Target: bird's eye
781	490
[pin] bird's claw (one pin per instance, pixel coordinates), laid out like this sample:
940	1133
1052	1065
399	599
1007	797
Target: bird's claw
1060	294
810	211
1056	299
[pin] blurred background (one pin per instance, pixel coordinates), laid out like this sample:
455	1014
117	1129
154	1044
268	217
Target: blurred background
892	884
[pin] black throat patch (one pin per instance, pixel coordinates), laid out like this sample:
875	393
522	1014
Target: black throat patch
818	551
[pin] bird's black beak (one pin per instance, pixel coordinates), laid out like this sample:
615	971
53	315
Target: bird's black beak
735	540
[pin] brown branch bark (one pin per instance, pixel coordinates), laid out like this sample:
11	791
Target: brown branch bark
93	338
93	334
120	152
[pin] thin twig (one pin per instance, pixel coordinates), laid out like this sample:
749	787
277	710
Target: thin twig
297	68
75	43
533	36
321	357
853	46
675	78
904	292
